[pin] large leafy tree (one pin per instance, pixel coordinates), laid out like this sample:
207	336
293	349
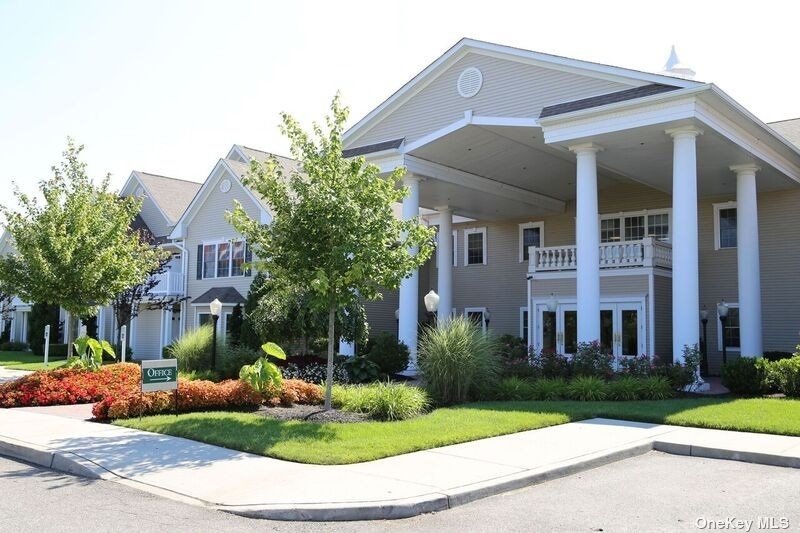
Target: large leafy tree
334	235
74	247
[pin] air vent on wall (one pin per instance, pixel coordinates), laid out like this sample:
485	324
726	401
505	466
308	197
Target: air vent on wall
469	82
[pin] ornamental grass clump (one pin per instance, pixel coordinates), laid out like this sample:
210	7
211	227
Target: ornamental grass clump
457	361
193	349
382	401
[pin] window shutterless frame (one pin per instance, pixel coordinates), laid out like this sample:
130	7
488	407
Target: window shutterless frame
483	248
719	243
224	259
523	246
636	225
731	324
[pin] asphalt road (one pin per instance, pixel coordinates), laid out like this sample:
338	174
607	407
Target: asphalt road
654	492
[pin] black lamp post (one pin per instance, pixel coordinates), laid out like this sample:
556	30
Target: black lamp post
722	311
704	360
216	309
397	321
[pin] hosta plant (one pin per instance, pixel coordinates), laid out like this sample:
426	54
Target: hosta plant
89	353
264	375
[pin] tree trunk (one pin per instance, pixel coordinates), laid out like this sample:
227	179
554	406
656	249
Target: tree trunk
329	378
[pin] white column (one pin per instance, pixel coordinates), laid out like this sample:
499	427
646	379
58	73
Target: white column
409	287
587	242
685	270
444	281
748	260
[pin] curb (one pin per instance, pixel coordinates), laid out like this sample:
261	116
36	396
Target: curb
67	462
73	463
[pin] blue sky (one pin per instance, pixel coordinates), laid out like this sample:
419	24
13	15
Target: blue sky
167	87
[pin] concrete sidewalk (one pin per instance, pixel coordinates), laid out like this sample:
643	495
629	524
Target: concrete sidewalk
394	487
9	374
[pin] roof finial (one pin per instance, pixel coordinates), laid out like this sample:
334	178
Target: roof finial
675	68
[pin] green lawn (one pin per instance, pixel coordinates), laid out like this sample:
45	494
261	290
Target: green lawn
331	443
27	361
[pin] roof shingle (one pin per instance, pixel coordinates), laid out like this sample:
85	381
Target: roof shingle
605	99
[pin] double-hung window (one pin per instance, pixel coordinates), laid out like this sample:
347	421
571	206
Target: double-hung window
530	234
725	225
475	246
223	259
730	334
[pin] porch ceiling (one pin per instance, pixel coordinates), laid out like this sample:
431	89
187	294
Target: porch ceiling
505	156
645	155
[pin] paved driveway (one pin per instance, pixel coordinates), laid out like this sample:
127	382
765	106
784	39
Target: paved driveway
653	492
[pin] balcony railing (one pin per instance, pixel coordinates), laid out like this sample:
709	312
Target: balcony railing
647	252
168	283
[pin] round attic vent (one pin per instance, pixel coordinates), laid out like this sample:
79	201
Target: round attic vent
469	82
225	185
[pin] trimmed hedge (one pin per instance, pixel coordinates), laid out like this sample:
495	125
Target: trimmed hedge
584	388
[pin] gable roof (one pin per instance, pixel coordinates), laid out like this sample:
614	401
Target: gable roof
226	295
172	195
466	45
788	129
604	99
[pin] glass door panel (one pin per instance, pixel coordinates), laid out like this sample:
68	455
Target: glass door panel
548	321
607	329
570	332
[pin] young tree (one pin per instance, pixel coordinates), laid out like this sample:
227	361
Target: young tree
75	249
334	234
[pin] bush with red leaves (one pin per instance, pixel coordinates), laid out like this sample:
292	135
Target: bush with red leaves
192	396
296	391
70	386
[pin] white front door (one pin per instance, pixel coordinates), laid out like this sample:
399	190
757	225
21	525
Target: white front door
622	328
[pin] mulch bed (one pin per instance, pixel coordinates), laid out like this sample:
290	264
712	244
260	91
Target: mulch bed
311	413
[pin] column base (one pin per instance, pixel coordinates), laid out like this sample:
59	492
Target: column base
698	386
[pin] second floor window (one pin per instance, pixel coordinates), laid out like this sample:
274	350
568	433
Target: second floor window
475	246
635	226
223	259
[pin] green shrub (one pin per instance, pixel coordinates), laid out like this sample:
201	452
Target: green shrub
193	349
40	316
625	388
591	360
745	376
457	361
548	389
514	389
678	376
776	355
361	370
199	375
264	375
587	389
638	365
11	346
548	364
390	356
56	351
231	359
382	401
785	374
656	388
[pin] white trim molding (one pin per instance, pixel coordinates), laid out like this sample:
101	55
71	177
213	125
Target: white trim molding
717	208
522	228
524	324
472	231
481	310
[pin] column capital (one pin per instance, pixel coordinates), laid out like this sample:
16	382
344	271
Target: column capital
747	168
684	131
443	209
583	148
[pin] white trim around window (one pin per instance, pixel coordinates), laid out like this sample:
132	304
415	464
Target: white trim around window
731	305
523	324
236	250
474	231
522	228
481	310
646	213
717	227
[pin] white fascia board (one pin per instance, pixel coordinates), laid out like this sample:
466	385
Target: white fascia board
481	184
237	150
470	120
640	116
742	138
387	163
133	177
